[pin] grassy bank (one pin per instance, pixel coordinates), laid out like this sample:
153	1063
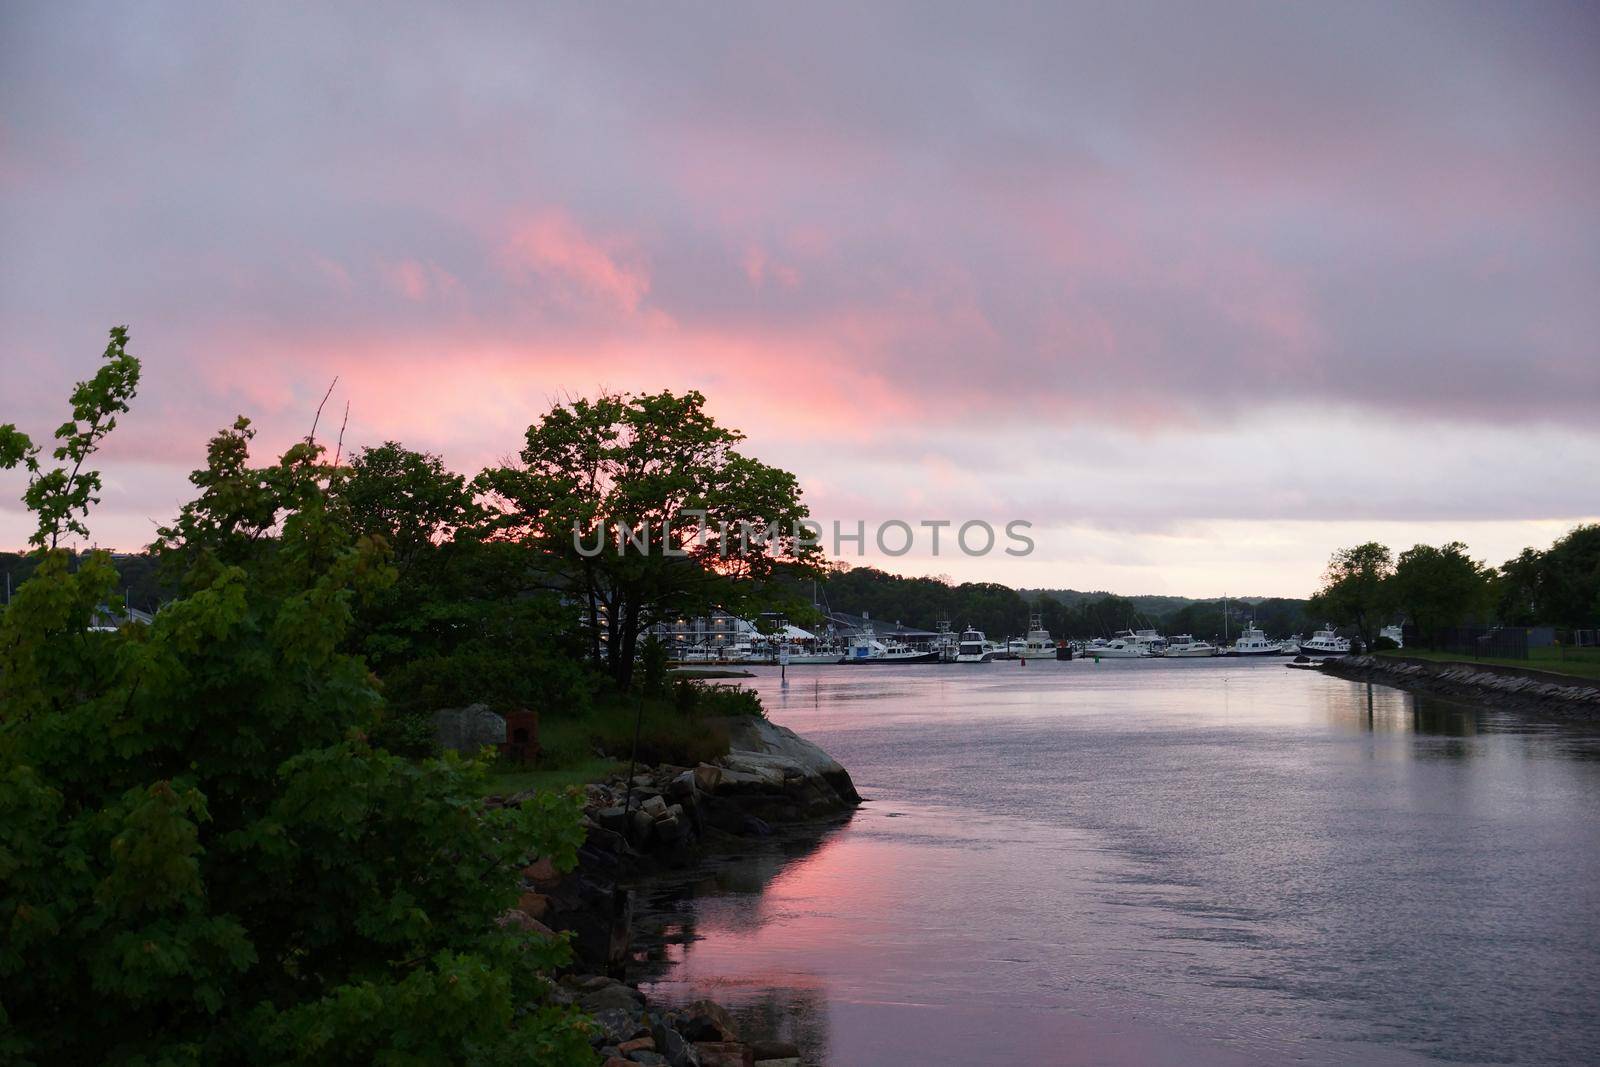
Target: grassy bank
674	729
1581	663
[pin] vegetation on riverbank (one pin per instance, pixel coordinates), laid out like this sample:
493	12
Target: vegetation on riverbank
227	836
1437	588
1578	663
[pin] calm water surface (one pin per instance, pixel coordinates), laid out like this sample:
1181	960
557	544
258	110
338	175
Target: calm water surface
1194	862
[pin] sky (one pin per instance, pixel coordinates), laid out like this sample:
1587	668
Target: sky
1202	291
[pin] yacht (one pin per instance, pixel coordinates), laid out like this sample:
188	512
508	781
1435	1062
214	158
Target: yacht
1325	643
975	648
1184	646
1038	644
802	657
865	647
1119	647
1253	642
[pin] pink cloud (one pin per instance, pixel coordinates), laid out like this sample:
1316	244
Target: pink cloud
556	249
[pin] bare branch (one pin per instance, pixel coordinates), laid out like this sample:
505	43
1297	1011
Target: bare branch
311	438
339	450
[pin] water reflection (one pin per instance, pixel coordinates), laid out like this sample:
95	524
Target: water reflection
1195	865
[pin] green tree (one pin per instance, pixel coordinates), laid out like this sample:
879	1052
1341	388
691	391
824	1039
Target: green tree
203	859
718	524
1439	587
1569	585
1355	589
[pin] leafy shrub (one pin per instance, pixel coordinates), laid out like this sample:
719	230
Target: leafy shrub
203	857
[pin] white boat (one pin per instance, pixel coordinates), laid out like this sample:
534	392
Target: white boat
1253	642
1326	643
1151	640
1184	646
975	648
1118	648
1038	644
864	647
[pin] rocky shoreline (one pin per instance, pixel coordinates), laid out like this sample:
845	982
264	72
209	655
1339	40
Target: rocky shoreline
670	817
1514	688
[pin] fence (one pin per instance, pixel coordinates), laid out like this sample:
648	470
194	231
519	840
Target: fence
1501	642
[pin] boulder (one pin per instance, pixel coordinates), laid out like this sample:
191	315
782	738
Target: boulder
706	1020
519	920
533	905
707	778
541	871
655	1059
613	818
723	1054
654	806
671	1044
616	1025
638	1044
468	729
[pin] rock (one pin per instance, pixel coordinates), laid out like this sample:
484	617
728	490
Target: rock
655	807
540	871
723	1054
707	778
468	729
762	748
608	993
774	1050
616	1025
518	920
755	827
706	1020
647	1056
642	824
669	830
682	786
617	1061
533	905
613	818
785	1061
638	1044
671	1044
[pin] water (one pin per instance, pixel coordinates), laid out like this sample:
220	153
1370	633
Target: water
1195	862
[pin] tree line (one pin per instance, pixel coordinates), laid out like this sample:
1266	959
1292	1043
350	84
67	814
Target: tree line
224	836
1438	587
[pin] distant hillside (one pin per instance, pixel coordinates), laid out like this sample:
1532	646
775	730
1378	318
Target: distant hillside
1152	603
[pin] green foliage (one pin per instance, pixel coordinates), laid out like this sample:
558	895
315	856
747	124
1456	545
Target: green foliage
1356	591
1559	586
653	660
61	496
661	465
203	857
1439	587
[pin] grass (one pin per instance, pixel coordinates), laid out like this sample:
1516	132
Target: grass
588	747
507	779
1575	662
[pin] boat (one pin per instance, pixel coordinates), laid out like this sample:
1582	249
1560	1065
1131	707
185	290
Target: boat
1253	642
864	647
947	644
1150	639
1119	647
1184	646
1038	644
1326	642
975	648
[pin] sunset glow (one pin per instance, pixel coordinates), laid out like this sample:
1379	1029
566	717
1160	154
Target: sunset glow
1203	296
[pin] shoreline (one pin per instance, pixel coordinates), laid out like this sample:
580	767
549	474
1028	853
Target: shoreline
1514	688
773	784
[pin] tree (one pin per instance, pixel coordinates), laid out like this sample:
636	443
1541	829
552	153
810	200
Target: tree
203	858
1355	589
1439	587
1570	579
643	510
409	498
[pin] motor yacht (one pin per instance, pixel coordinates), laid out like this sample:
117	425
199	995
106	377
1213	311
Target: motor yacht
1326	642
1184	646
